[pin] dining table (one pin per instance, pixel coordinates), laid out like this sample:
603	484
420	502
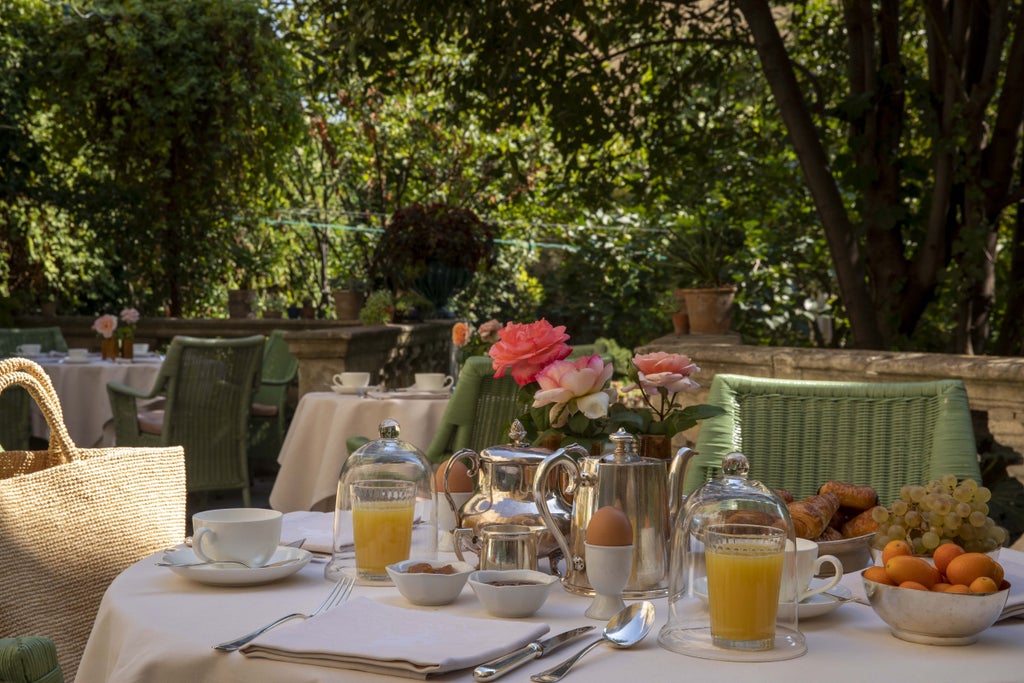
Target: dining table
155	625
81	387
315	447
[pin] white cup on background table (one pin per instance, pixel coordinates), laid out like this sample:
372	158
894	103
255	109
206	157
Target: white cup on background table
352	380
433	381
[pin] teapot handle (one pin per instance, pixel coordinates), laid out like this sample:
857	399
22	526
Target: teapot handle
559	458
471	471
677	479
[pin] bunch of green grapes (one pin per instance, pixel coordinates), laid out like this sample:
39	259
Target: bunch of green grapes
942	511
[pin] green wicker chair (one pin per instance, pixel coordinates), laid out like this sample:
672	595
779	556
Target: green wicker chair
480	412
799	434
207	387
29	659
268	422
15	419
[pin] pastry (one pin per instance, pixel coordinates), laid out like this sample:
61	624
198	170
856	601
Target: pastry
811	515
851	495
862	524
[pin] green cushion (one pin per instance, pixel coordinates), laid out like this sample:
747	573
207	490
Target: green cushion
29	659
798	434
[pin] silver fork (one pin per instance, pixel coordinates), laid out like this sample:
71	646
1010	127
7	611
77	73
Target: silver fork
339	593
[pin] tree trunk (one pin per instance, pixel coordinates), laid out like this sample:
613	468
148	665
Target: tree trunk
814	162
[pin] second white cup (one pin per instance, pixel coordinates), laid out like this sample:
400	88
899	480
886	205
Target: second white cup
354	380
249	535
78	354
433	381
798	586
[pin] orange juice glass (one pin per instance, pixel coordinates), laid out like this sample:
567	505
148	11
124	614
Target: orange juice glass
382	514
744	567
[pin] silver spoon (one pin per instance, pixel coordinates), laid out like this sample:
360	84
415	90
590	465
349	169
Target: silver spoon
625	629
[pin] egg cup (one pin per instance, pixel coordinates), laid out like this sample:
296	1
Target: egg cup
608	570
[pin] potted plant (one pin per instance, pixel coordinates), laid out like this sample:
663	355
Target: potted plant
348	293
433	250
702	255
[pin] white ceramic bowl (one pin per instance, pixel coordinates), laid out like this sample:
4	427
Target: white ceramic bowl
527	592
935	618
421	588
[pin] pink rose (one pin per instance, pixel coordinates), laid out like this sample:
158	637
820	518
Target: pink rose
460	334
527	348
669	370
581	381
129	316
489	331
105	325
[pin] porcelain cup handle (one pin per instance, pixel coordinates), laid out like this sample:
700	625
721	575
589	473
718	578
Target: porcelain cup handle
837	565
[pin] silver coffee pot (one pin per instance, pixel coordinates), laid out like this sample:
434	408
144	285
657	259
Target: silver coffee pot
645	489
506	490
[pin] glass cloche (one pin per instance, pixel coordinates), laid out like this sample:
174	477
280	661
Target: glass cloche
739	529
389	457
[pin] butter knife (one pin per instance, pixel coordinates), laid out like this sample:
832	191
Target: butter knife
535	650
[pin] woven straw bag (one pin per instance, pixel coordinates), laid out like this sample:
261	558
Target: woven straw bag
72	519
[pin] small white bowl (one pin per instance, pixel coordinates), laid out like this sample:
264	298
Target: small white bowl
527	592
421	588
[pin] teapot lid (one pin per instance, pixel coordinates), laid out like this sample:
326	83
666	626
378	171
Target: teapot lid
516	453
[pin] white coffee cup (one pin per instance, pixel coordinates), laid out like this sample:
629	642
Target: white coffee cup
352	379
139	349
249	535
433	381
78	354
798	586
29	349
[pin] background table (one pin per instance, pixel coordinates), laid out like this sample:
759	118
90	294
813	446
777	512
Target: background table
314	448
82	389
155	626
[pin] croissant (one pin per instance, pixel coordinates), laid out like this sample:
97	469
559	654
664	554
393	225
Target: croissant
811	515
862	524
829	534
851	495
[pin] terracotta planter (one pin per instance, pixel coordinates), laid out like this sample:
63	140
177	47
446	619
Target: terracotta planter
710	309
347	304
654	446
240	302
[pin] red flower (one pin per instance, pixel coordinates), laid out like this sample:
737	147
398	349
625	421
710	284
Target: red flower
526	349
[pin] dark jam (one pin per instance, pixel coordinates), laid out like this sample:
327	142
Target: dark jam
513	583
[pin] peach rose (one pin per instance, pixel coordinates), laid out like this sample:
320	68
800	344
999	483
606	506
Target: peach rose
105	325
669	370
526	349
582	381
460	334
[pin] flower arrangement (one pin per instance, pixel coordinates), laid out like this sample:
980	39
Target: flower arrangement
105	325
568	400
129	318
661	377
469	341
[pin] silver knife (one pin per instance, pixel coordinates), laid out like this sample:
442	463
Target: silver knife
535	650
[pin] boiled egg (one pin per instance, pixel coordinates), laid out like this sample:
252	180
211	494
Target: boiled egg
609	526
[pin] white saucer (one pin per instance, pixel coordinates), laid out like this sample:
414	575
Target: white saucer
413	389
236	575
351	390
76	361
814	606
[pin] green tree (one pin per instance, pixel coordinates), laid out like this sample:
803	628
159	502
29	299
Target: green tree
173	116
904	117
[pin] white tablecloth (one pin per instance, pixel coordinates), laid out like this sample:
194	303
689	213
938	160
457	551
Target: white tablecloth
82	390
314	449
155	626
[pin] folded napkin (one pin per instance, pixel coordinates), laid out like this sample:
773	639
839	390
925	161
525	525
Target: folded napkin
316	527
1013	566
369	636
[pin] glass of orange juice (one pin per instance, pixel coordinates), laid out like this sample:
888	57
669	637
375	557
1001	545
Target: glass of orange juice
382	513
744	567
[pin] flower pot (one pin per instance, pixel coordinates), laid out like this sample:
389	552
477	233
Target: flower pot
710	309
657	446
347	304
240	302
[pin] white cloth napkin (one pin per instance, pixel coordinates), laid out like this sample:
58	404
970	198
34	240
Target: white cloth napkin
1013	568
369	636
316	527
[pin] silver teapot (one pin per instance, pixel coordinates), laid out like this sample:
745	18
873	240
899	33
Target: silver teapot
506	486
645	489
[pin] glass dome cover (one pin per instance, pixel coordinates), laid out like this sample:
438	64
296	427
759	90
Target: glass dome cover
388	457
729	502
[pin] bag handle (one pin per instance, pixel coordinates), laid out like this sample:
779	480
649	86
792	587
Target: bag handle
29	375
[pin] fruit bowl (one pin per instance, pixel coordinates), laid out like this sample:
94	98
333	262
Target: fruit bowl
935	618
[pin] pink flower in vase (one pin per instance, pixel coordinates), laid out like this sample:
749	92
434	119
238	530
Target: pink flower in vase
105	325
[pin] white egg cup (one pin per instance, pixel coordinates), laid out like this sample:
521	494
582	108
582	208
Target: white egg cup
608	570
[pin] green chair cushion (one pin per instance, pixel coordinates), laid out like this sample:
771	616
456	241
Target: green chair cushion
29	659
